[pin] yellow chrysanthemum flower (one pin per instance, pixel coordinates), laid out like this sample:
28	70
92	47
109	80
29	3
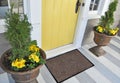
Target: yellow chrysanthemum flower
19	63
112	31
116	30
34	48
100	29
31	48
34	57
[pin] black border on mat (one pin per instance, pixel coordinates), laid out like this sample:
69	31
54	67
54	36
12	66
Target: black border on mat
72	75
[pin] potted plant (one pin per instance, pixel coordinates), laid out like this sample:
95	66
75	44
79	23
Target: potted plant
104	31
25	58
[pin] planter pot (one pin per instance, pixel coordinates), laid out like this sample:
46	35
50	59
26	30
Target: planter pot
100	40
22	77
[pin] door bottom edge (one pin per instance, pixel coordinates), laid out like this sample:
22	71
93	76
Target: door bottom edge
59	50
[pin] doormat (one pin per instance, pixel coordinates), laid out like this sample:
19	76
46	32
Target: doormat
67	65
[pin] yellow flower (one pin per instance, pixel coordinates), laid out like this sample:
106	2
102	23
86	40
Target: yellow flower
116	30
31	48
112	31
34	48
19	63
100	29
34	57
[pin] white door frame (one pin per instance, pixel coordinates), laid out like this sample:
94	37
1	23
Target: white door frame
35	18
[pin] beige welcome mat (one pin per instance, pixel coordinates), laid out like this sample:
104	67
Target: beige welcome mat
67	65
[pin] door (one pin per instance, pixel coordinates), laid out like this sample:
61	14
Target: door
58	23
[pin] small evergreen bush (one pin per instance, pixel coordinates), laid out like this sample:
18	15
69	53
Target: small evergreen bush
107	20
25	54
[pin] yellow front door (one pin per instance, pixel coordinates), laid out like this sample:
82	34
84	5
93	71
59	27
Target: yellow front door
58	23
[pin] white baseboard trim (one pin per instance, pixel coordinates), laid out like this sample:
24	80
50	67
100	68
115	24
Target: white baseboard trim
60	50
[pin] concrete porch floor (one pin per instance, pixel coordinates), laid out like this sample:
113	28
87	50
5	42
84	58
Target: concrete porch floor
106	69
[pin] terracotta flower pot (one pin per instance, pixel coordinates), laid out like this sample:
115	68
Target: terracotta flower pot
100	40
22	77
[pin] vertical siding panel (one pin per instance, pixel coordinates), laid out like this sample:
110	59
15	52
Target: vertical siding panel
60	23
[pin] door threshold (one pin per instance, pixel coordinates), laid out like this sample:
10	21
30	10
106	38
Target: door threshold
60	50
